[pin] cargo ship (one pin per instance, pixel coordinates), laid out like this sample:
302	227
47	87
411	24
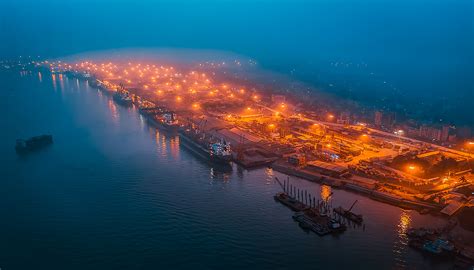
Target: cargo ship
215	150
33	143
166	122
123	98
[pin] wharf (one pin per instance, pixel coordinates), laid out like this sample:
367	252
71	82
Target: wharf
358	184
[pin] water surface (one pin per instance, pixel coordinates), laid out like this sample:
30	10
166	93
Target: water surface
114	193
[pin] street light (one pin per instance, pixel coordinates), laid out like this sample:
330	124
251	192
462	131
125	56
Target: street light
271	127
364	137
412	168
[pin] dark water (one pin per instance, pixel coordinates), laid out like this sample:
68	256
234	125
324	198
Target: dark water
114	193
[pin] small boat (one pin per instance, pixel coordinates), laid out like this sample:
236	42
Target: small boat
33	143
432	247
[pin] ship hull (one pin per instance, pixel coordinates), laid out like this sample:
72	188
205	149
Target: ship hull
201	151
172	129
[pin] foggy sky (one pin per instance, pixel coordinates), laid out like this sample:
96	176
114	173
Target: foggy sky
419	46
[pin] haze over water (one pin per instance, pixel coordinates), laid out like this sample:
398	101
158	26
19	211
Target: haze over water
114	193
387	54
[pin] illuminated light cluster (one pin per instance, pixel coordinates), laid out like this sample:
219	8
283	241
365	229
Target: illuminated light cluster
187	87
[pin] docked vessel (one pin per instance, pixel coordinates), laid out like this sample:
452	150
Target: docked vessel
33	143
166	121
290	202
213	149
311	219
123	98
431	242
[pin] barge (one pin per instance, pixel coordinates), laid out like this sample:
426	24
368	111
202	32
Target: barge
290	202
346	213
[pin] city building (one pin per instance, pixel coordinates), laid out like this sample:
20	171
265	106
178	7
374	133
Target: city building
378	119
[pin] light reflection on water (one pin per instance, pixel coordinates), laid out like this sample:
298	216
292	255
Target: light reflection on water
164	145
401	243
53	77
114	112
270	176
174	147
61	82
326	193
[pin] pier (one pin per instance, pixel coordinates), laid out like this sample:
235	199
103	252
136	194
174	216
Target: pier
311	214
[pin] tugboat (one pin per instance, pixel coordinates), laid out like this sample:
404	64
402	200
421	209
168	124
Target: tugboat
33	143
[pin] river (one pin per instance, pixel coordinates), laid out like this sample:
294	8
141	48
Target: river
113	192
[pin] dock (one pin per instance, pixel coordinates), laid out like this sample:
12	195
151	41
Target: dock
310	215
